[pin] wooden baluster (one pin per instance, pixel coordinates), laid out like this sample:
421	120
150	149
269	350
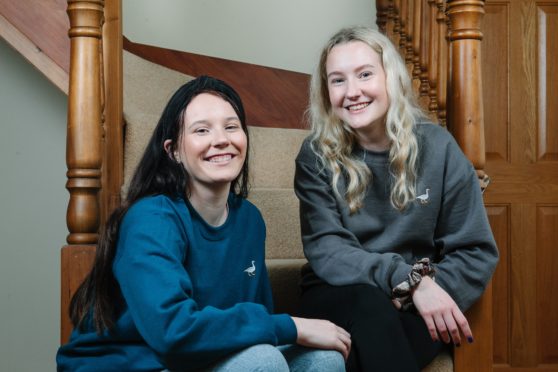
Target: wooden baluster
410	24
382	12
390	19
83	151
396	22
443	62
403	29
417	25
433	59
424	54
83	147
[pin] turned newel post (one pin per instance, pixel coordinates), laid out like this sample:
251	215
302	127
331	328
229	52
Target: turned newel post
465	102
84	131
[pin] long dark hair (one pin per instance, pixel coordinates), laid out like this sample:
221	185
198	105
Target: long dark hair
155	174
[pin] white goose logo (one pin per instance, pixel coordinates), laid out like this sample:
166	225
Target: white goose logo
251	271
424	198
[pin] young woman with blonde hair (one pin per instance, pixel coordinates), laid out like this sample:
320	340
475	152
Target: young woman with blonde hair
392	218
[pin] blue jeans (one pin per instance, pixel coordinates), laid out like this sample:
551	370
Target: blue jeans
268	358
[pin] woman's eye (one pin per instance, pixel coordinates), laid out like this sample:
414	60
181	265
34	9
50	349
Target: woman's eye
336	81
201	130
232	127
365	74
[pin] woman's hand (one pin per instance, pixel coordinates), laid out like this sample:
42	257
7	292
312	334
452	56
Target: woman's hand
440	312
322	334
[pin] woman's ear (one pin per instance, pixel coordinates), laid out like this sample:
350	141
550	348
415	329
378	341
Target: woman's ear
167	146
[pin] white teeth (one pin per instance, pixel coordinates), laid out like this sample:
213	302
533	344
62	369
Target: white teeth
360	106
220	158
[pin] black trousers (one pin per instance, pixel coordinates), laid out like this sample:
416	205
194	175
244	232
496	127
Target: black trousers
383	338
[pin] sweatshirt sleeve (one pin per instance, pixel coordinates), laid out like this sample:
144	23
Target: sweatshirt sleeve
333	251
463	235
158	290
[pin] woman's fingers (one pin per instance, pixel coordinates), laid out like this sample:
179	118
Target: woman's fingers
452	328
441	327
429	320
463	324
322	334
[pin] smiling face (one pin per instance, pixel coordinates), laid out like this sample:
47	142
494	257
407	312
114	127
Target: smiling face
213	144
356	84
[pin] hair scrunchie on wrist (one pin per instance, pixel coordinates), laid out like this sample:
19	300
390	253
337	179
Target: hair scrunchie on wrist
403	291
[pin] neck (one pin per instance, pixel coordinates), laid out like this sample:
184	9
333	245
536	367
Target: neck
211	204
374	143
374	138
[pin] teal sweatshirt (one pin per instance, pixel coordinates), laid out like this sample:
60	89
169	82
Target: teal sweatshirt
191	293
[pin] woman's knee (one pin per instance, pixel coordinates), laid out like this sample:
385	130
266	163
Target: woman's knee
326	360
257	358
304	359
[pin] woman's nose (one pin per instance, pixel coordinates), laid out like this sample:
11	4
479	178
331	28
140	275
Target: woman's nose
220	138
353	89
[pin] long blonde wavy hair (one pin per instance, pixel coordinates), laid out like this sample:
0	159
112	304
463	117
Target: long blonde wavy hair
333	140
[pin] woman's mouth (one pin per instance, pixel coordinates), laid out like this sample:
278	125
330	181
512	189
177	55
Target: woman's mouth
219	158
358	106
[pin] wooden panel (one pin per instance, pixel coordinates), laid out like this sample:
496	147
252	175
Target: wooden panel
478	355
547	55
272	97
499	217
523	107
547	280
48	33
523	286
495	47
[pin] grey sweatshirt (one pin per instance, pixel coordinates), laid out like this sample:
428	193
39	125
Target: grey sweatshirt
378	245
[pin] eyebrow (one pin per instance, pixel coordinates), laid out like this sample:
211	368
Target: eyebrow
203	121
357	69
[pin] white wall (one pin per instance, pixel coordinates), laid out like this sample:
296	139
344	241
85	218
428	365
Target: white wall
285	34
32	214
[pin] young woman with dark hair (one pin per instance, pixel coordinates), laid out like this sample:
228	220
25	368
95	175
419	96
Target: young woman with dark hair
179	280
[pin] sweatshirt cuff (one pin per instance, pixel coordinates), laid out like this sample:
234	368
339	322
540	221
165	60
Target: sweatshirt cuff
400	274
285	329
